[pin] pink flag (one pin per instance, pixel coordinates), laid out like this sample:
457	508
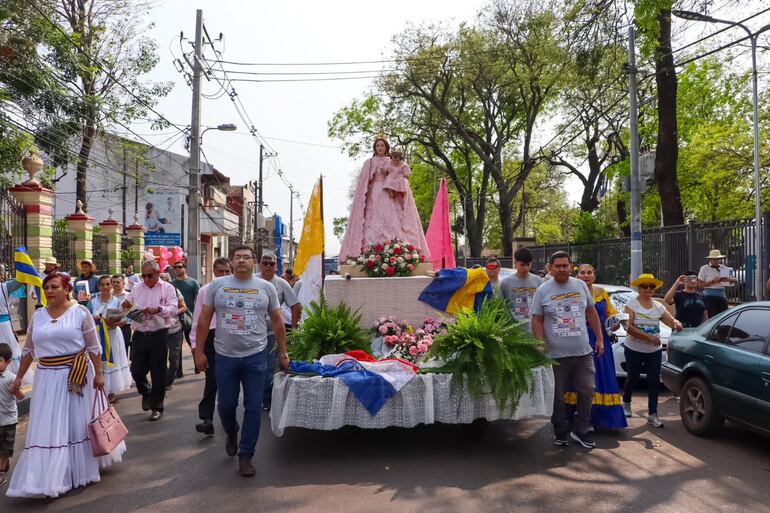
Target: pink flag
439	235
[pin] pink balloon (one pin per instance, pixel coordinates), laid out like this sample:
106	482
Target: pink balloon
163	264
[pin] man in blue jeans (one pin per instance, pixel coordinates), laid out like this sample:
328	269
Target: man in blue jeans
242	303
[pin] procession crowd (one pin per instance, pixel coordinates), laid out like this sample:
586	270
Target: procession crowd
98	344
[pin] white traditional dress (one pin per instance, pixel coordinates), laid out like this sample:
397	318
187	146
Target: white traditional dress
7	334
117	376
57	453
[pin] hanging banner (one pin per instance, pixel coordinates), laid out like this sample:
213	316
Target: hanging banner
163	217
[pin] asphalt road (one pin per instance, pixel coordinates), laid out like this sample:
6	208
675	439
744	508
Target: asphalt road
511	466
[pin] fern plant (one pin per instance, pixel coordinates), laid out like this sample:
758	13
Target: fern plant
494	353
328	330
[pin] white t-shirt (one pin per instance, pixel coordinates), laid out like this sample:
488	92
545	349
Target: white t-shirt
648	321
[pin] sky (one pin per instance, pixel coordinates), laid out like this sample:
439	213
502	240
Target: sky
294	32
291	31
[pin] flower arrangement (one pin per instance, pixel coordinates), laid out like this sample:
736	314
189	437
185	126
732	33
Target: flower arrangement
392	258
404	341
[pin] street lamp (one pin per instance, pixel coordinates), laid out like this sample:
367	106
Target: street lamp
759	285
193	241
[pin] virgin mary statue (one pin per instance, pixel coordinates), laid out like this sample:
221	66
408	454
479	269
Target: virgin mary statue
377	215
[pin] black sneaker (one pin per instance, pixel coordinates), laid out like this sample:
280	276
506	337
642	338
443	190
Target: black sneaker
145	402
155	415
561	440
206	427
231	444
582	439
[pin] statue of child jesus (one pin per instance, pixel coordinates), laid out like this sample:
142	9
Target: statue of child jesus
396	182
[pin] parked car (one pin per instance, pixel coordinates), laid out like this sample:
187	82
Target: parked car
620	296
721	370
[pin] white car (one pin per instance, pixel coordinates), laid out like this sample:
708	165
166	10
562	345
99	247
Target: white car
619	296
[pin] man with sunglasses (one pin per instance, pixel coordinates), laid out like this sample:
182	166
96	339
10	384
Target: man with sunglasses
493	272
242	302
286	296
158	303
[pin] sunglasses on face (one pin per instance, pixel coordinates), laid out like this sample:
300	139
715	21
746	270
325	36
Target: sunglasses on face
647	286
178	267
268	264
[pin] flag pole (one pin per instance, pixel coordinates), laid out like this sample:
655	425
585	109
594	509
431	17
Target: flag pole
323	253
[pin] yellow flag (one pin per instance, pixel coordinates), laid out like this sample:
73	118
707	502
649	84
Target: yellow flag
311	242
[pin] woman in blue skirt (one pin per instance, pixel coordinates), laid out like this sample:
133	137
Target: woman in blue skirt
607	410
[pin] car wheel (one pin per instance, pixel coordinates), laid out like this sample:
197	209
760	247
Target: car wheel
697	409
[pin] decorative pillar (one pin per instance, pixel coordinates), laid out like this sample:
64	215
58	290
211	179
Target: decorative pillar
136	233
113	230
82	225
38	206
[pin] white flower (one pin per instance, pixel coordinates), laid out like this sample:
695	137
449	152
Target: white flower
397	246
415	256
361	259
371	258
400	260
384	267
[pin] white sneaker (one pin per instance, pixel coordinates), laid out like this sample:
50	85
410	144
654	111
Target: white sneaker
627	410
654	421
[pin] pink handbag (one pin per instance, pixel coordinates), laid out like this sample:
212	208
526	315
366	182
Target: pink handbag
107	430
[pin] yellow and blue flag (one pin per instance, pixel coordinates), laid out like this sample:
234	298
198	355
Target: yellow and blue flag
458	288
26	272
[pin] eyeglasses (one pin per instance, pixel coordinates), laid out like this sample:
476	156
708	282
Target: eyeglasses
492	267
178	267
148	276
647	286
268	263
238	258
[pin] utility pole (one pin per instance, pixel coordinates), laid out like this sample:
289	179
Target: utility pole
125	192
259	199
193	196
636	203
291	228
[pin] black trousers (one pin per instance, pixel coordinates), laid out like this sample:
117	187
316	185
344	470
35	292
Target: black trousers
150	354
126	330
207	404
174	342
715	305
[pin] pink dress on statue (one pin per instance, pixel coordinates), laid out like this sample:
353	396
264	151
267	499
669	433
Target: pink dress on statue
396	179
376	217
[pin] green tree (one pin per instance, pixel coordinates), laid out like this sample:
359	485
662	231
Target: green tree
103	58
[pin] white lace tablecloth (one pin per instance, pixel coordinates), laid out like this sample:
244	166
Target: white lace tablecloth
326	403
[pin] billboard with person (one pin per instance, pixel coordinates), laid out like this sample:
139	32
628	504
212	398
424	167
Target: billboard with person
163	217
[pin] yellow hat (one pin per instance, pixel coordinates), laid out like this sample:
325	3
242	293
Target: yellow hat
645	279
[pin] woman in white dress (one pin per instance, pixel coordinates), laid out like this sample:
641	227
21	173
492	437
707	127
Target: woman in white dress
57	453
7	334
117	375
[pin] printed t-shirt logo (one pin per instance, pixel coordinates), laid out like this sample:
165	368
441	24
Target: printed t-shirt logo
568	314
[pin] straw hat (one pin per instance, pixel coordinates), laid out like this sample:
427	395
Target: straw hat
50	260
715	253
86	261
644	279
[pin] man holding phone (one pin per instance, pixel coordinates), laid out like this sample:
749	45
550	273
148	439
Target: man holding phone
690	304
713	278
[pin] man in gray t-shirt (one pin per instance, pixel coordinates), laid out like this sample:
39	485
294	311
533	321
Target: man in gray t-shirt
519	289
242	304
286	296
559	310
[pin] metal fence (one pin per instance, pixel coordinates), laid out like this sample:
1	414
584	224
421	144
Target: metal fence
13	233
100	253
670	251
63	246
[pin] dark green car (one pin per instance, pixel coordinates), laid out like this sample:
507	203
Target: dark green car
721	370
